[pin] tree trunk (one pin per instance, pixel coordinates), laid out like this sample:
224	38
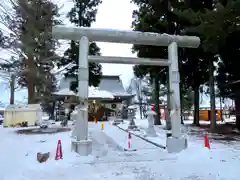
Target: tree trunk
212	95
30	80
31	93
52	113
237	107
237	111
156	100
196	107
181	103
221	109
140	108
12	88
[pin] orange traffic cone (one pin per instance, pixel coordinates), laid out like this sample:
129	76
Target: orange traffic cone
59	154
206	142
102	126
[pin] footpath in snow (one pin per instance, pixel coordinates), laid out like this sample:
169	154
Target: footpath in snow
18	156
142	125
121	137
109	161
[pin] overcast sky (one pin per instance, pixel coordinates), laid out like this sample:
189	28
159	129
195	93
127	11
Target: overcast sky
112	14
116	14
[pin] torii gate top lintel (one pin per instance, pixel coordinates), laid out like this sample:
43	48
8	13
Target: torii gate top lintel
122	36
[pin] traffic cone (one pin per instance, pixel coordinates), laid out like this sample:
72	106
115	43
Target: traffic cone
206	142
129	140
129	146
102	126
59	154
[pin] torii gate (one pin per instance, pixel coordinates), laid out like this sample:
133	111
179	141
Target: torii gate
82	144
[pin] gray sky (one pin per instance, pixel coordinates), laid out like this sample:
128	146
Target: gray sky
116	14
112	14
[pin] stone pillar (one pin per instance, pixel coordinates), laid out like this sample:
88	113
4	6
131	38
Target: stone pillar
175	143
150	117
131	114
74	118
82	144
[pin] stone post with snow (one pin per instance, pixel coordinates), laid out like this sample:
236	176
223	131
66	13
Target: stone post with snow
150	117
74	118
131	114
82	144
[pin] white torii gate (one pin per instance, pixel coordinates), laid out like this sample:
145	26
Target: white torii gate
82	144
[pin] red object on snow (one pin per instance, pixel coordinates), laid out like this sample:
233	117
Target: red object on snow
165	114
206	142
129	140
59	154
153	109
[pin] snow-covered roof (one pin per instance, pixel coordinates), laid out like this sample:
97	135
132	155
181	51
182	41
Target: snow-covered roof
93	93
65	92
23	107
109	83
114	85
97	93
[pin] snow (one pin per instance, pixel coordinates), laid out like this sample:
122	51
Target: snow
96	93
65	92
92	93
108	161
142	124
121	137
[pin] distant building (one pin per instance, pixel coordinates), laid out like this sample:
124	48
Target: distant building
112	84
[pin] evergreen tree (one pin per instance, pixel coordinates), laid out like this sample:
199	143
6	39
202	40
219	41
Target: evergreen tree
177	17
32	27
153	16
82	14
225	41
200	60
228	76
219	27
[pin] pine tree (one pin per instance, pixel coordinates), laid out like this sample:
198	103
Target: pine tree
176	17
218	27
148	18
82	14
200	59
224	37
32	27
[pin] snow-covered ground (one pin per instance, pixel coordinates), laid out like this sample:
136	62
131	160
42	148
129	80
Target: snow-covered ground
109	161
